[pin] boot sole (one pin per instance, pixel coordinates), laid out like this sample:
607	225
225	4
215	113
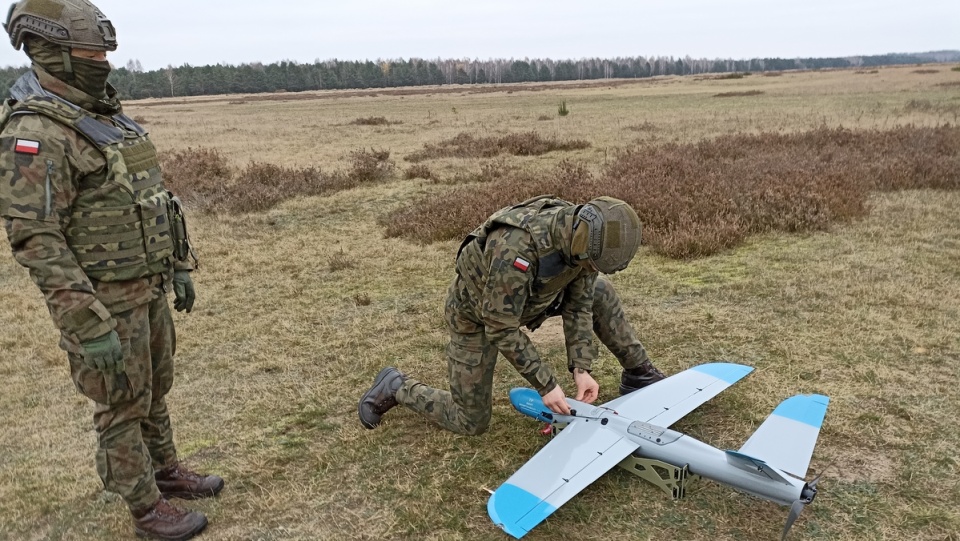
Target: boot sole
377	381
189	535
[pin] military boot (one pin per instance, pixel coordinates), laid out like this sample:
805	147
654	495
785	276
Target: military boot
380	398
168	522
178	482
639	377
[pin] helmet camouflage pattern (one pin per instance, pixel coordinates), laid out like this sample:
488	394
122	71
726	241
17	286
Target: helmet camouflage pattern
607	232
68	23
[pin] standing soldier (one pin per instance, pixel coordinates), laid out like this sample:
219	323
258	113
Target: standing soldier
526	263
86	212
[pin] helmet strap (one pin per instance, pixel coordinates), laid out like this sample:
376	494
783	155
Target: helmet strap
67	63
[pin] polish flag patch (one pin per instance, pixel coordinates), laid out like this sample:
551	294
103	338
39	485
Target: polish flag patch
26	146
521	264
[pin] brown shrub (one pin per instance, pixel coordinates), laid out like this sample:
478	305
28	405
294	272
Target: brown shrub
370	166
260	186
465	145
698	199
490	171
195	174
926	71
738	94
203	179
419	171
374	121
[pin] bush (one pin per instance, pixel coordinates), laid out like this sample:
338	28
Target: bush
562	109
206	182
374	121
738	94
370	166
465	145
419	171
698	199
195	174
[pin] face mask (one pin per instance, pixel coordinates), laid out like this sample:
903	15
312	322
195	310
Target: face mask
90	76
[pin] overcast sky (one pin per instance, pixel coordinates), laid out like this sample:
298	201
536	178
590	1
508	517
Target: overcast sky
198	32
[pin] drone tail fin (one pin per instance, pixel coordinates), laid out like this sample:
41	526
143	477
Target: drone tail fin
787	438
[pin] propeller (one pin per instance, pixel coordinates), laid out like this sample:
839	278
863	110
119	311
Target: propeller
807	495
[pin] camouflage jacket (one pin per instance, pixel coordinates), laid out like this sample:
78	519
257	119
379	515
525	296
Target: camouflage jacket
514	266
46	166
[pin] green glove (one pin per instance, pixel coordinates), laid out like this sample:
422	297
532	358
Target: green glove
104	353
183	290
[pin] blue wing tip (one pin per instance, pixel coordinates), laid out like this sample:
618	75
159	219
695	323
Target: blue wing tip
507	526
516	511
809	409
729	372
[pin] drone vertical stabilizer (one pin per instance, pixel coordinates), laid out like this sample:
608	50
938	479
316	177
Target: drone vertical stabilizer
787	438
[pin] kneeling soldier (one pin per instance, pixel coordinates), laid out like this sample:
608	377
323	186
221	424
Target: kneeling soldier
526	263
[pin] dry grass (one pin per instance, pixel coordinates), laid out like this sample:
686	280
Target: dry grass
282	342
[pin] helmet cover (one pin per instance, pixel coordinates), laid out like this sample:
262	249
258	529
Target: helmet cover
68	23
607	232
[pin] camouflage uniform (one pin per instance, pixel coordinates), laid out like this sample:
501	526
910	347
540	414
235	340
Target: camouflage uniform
85	212
516	270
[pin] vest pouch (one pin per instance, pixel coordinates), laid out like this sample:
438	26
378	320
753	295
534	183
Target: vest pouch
155	226
182	249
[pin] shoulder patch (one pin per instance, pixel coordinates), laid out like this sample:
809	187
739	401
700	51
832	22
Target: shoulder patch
521	264
27	146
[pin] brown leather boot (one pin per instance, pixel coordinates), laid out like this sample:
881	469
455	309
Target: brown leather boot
168	522
178	482
380	398
639	377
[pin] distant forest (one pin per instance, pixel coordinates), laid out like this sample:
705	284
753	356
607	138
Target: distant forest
133	82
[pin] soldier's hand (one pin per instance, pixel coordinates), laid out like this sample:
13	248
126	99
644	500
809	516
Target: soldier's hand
556	401
183	291
104	353
587	388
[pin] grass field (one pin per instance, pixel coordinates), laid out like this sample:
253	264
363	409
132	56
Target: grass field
301	304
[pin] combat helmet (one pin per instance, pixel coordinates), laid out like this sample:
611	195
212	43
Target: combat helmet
68	23
607	233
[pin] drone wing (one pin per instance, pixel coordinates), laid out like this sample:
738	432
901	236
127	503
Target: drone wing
587	448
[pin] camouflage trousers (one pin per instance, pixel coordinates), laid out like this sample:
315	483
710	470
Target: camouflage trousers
130	414
467	407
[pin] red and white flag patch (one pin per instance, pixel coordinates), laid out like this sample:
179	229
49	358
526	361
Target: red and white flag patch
26	146
521	264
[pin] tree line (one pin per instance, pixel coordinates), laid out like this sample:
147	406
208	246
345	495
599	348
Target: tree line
133	82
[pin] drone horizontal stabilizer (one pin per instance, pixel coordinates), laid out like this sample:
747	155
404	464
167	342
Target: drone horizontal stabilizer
787	438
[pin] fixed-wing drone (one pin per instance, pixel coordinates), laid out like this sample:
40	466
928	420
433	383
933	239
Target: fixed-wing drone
632	431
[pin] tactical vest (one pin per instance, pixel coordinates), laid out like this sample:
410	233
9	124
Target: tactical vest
118	230
537	217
